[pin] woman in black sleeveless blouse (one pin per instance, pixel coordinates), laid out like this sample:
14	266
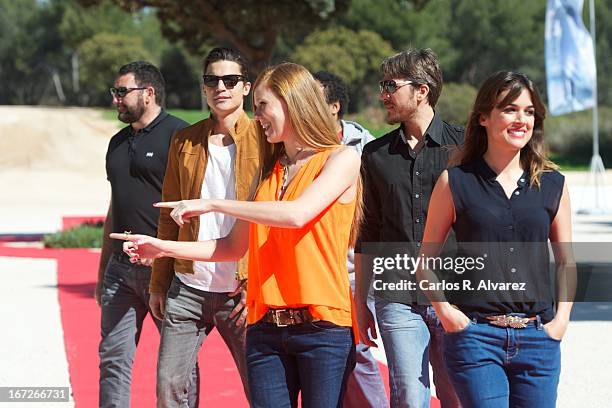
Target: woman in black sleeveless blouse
504	351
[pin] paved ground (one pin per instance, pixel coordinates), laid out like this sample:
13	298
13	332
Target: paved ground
63	175
32	343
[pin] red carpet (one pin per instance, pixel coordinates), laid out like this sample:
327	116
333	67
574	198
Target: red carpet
77	268
80	316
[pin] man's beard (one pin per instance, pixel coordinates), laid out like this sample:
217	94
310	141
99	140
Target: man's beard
393	119
132	113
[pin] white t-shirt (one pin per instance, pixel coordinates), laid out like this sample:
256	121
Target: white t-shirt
220	183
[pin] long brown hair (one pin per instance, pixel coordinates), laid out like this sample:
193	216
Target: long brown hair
310	119
533	156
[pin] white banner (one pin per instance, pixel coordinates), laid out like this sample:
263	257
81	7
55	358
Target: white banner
570	58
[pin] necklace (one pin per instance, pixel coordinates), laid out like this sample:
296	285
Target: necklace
283	188
287	164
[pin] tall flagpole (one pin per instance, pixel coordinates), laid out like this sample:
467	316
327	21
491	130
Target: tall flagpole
597	168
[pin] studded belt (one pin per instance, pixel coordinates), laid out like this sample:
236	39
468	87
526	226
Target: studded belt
515	322
288	317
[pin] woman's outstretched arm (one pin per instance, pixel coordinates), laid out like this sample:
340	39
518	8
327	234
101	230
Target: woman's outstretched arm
338	179
230	248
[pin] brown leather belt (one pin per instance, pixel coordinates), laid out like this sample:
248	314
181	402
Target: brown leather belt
515	322
288	317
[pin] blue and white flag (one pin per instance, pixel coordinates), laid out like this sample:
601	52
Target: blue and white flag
570	58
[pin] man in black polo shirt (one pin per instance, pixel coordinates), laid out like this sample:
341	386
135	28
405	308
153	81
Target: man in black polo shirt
399	171
135	167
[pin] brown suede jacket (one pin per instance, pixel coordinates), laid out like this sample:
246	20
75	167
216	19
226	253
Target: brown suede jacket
185	170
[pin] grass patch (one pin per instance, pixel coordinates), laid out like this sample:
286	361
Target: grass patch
189	116
568	162
87	235
370	119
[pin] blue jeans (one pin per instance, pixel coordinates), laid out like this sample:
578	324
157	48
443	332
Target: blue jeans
190	316
496	367
314	358
412	336
125	304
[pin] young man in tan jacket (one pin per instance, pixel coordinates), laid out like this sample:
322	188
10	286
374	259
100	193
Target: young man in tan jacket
217	157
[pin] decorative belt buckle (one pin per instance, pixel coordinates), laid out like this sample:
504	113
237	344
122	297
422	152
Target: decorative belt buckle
276	319
514	322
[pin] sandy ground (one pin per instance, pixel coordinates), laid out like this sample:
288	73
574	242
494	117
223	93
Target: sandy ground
51	165
40	138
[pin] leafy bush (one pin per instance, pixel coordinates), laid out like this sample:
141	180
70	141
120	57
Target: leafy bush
373	119
456	102
570	137
87	235
354	56
349	54
182	85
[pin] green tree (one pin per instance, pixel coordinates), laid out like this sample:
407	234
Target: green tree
472	38
603	34
354	56
404	24
455	102
496	35
182	84
101	56
31	50
251	26
351	55
79	24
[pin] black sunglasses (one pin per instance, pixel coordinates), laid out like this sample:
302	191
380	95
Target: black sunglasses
389	86
122	91
229	81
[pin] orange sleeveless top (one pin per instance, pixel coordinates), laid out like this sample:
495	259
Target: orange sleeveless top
291	267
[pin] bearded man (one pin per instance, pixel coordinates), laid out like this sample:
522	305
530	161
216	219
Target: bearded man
135	167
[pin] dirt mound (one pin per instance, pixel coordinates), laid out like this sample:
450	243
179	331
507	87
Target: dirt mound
64	139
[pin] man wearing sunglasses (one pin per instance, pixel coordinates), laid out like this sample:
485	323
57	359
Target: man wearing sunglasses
135	167
399	172
216	158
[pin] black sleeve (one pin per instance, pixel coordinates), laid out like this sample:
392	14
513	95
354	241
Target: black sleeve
370	227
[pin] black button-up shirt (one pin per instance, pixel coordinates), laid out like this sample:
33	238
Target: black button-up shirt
513	232
397	184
